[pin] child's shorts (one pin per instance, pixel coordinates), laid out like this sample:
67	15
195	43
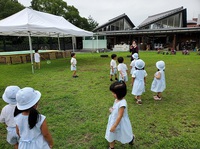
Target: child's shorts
125	78
73	68
12	136
114	72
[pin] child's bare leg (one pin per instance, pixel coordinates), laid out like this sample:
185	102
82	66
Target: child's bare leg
111	76
38	65
139	101
116	77
74	74
159	94
16	146
112	144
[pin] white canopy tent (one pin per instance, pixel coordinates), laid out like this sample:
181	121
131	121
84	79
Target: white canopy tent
32	23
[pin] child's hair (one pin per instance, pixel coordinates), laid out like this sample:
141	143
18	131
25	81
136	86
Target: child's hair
119	88
138	68
113	56
36	50
120	59
72	54
159	69
32	118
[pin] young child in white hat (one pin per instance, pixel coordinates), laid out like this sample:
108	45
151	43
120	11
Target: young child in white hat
139	80
132	65
159	85
31	126
7	114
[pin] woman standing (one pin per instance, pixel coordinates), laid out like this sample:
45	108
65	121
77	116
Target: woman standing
133	48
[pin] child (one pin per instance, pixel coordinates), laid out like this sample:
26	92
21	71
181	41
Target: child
132	65
113	67
7	114
122	68
31	126
37	59
139	80
158	85
73	65
119	126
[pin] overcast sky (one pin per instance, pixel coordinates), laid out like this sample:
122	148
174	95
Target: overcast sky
137	10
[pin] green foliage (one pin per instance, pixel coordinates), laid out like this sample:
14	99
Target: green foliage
9	7
60	8
77	108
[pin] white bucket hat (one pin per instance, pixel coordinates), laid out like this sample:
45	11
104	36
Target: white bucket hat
160	65
9	95
27	97
135	56
139	64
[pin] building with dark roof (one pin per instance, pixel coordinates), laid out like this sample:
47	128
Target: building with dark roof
167	28
169	19
121	22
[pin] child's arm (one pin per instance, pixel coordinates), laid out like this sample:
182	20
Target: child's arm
17	130
112	68
46	134
157	75
144	80
119	117
133	79
120	72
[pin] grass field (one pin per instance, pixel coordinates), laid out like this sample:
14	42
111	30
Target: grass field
77	108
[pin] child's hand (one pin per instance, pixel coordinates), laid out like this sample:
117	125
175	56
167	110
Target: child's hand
112	129
111	109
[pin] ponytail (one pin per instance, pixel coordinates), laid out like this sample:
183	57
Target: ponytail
33	117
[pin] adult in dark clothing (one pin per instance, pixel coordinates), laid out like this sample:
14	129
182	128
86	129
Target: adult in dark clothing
133	49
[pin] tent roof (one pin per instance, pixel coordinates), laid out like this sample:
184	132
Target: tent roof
39	24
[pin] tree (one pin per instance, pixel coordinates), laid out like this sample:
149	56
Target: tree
5	12
70	13
92	23
6	5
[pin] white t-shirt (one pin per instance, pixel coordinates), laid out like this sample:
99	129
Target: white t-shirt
7	115
113	63
73	61
37	57
123	68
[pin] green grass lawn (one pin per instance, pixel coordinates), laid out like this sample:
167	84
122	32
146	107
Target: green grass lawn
77	108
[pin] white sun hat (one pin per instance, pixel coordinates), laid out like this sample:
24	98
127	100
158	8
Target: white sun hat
27	97
160	65
9	95
135	56
139	64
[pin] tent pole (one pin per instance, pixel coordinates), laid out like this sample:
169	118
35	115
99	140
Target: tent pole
31	50
73	42
58	43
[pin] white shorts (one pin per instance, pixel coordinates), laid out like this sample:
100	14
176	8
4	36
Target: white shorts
12	136
113	72
73	68
125	78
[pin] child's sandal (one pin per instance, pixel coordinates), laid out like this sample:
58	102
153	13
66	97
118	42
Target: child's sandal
132	141
139	101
